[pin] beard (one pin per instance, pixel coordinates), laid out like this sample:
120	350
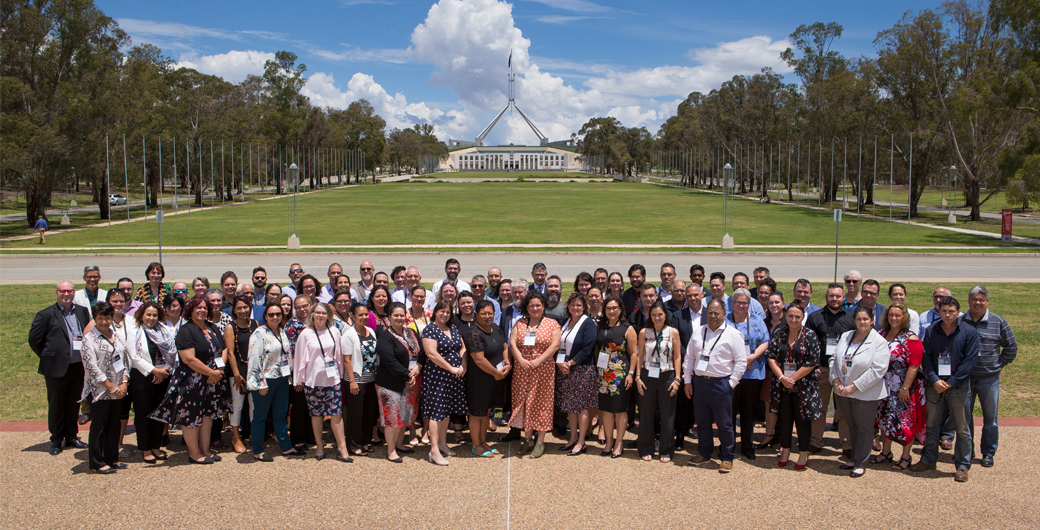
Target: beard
554	298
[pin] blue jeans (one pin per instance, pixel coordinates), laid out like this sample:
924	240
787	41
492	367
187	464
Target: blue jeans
987	389
954	400
713	403
277	403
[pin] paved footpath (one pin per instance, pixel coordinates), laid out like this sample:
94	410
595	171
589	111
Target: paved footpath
26	269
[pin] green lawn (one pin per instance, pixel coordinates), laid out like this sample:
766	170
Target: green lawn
23	395
510	213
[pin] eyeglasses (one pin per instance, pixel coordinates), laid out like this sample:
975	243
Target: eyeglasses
852	281
367	268
180	290
93	277
295	271
274	315
868	293
66	291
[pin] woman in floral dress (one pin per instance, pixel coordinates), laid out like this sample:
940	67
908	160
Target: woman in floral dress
532	343
901	417
616	345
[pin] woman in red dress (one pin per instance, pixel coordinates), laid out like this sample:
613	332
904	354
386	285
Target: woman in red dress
901	417
532	343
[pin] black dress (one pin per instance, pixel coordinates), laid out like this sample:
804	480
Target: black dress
613	397
483	391
190	397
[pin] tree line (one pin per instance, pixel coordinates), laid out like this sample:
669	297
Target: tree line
70	78
951	86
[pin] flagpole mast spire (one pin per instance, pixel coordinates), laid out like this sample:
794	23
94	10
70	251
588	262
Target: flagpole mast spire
511	104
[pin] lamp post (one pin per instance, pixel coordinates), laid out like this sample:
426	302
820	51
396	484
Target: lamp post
294	181
951	175
727	221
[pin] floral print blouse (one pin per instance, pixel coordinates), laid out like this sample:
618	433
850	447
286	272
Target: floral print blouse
267	353
99	357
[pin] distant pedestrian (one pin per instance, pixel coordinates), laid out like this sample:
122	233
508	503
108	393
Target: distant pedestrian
41	227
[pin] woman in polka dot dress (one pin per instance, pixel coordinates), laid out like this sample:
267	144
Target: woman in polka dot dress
444	386
532	343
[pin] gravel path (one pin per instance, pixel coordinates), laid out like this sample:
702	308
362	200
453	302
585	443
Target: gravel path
44	491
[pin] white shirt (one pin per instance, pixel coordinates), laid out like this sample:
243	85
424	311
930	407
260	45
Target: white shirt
727	356
402	295
663	294
326	294
915	322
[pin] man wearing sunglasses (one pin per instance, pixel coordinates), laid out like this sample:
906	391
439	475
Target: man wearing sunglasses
87	297
295	273
259	279
853	279
181	289
363	287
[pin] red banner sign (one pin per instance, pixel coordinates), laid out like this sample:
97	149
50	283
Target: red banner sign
1005	226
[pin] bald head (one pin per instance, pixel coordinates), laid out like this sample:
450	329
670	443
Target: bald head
66	291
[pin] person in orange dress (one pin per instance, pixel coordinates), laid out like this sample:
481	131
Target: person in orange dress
532	343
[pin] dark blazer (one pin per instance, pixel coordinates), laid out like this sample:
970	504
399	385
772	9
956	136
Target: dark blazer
963	346
393	361
50	340
584	348
683	320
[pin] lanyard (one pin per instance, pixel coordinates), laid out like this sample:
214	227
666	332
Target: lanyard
848	359
790	357
318	335
657	342
568	332
704	338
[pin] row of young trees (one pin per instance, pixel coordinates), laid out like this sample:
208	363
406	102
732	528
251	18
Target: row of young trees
955	86
69	76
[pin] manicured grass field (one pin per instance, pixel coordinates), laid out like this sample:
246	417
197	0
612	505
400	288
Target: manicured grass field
23	395
510	213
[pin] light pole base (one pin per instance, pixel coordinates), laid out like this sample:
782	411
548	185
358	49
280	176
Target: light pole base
952	219
727	243
944	202
293	243
64	220
72	203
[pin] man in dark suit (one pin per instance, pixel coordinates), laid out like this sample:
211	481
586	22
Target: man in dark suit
56	336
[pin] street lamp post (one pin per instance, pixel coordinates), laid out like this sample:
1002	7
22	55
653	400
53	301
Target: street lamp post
294	180
727	214
951	175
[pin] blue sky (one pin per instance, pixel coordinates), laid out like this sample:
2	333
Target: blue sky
445	62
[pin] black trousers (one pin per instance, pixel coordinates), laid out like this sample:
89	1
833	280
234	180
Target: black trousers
655	398
146	398
104	433
63	395
300	430
785	423
745	399
360	414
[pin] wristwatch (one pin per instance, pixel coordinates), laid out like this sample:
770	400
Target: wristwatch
904	388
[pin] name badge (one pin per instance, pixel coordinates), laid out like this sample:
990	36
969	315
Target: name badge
530	337
848	362
412	364
702	363
561	358
945	368
832	346
654	370
77	345
790	369
285	368
117	364
602	359
747	348
330	369
219	361
501	366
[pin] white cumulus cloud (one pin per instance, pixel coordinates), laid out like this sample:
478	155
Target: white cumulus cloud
233	66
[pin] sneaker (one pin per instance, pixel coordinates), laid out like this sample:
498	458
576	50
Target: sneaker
726	466
987	461
697	460
961	475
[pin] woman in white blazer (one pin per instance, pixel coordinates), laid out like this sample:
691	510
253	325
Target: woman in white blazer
857	367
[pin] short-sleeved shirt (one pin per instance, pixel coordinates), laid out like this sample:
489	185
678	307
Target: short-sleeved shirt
492	344
190	336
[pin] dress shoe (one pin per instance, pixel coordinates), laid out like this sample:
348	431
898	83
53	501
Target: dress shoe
846	466
697	460
726	466
120	465
513	434
584	448
987	461
75	443
539	448
946	445
397	460
55	448
205	460
961	475
857	474
750	455
567	448
108	471
921	466
771	442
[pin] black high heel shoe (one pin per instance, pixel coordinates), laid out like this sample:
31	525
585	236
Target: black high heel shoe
772	442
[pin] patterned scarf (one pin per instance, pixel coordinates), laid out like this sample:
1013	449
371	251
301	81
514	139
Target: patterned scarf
409	342
164	337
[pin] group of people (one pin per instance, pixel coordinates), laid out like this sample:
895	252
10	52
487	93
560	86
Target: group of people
382	357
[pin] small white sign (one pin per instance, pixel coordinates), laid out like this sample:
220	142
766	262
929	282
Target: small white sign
837	216
159	216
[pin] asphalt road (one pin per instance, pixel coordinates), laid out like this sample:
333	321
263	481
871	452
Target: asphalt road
16	269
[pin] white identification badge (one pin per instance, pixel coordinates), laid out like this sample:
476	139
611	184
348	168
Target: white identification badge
702	363
832	346
530	337
561	358
654	370
285	368
219	361
501	366
790	369
945	366
117	364
602	360
412	364
77	345
747	348
330	369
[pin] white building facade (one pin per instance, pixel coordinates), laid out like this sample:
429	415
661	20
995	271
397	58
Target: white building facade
511	157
